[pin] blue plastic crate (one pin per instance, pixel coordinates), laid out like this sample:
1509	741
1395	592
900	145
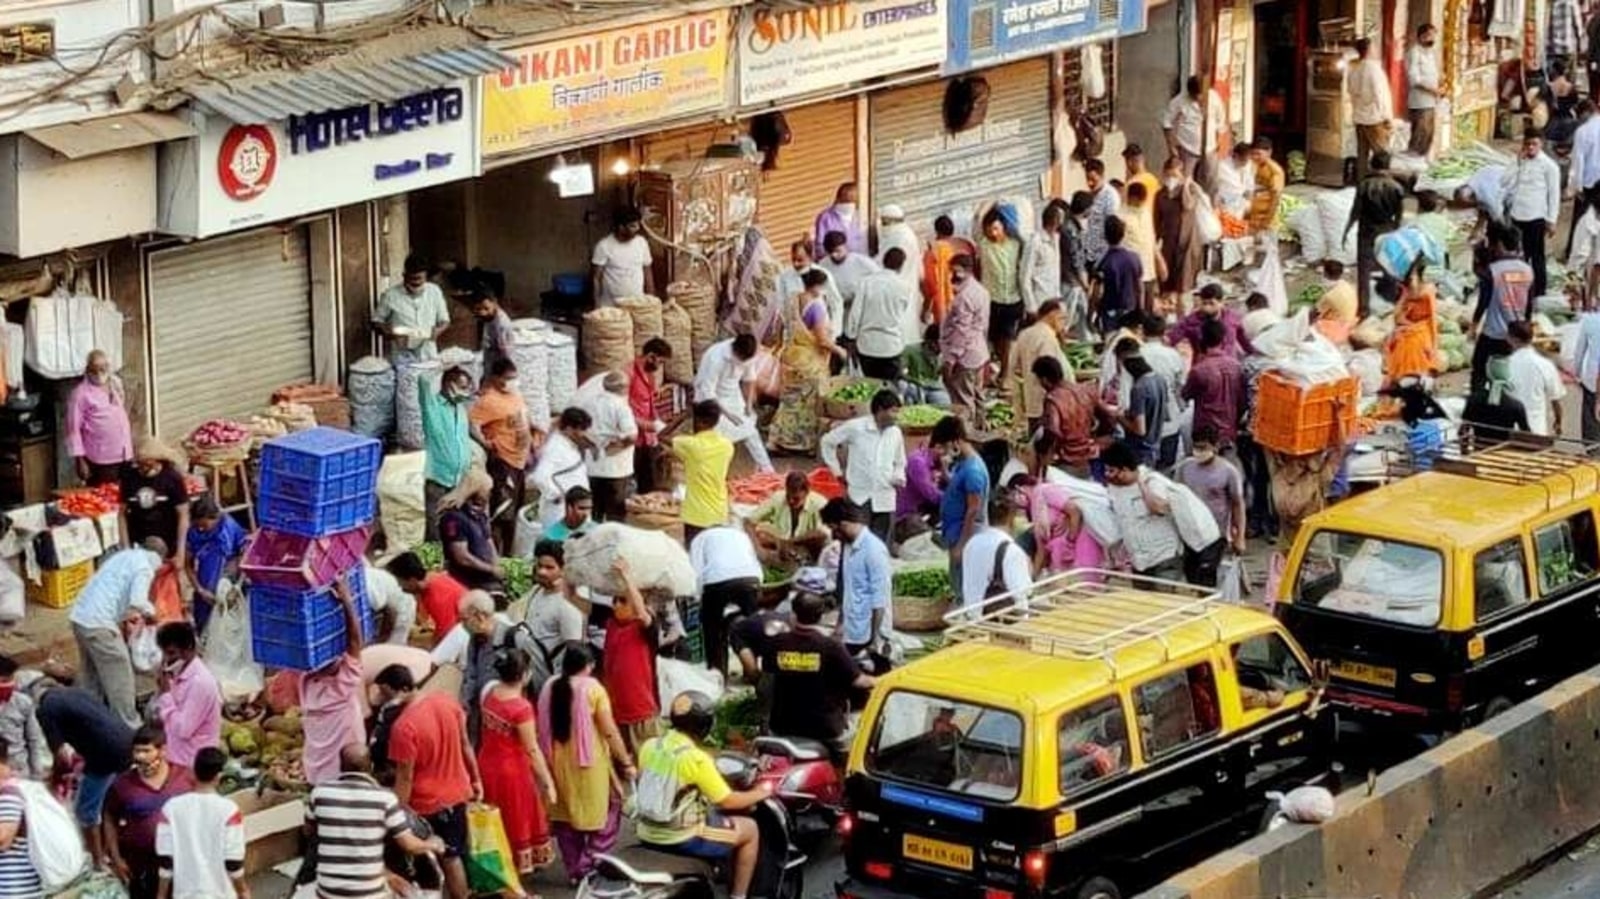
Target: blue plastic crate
318	482
1425	442
304	629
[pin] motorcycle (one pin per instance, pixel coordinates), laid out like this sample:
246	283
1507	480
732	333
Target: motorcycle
656	872
803	777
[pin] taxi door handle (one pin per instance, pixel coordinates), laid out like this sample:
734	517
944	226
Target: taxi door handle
1222	775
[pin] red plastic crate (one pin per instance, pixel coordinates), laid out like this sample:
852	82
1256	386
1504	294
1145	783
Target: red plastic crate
282	559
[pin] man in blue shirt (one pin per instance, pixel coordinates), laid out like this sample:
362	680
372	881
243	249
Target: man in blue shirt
446	438
964	506
866	577
120	587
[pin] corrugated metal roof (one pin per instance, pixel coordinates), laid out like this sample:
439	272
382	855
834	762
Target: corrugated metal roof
268	97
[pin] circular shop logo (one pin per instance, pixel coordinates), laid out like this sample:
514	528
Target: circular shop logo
247	161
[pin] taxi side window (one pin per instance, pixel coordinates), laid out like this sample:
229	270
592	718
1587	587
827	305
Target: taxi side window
1500	578
1177	708
1566	552
1268	669
1092	743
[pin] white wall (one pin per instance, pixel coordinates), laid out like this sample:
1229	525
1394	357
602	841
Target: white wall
299	15
82	27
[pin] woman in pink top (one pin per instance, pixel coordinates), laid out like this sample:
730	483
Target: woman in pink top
330	701
1060	540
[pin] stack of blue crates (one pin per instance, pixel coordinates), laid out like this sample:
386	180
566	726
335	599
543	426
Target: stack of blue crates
314	483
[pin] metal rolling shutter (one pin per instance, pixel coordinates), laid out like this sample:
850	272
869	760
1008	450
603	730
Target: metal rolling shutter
930	173
821	156
230	322
810	169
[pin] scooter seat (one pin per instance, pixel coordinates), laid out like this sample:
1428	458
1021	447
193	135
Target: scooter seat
628	872
657	861
798	749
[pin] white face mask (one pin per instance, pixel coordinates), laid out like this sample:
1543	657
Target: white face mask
846	210
513	385
1174	183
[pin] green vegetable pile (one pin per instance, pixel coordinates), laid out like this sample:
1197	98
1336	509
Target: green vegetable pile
1287	206
1453	346
739	713
771	574
1453	167
519	572
1308	296
855	392
926	583
921	416
1081	355
1000	416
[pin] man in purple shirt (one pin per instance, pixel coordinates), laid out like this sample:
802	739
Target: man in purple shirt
921	493
843	216
1208	306
1216	387
99	438
963	338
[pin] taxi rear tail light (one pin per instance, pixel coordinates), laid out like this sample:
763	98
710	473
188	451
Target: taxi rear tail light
879	870
992	893
847	824
1035	867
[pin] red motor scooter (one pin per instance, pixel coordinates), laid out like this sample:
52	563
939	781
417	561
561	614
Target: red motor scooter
803	778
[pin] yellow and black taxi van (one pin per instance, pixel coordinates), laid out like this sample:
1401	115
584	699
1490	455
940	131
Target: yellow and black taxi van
1443	598
1075	747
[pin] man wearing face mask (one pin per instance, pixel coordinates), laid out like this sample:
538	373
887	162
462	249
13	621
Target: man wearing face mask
190	703
412	315
499	422
1209	305
846	267
843	218
446	436
98	435
644	379
133	808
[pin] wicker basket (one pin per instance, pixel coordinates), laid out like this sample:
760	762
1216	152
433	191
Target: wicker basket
840	410
920	614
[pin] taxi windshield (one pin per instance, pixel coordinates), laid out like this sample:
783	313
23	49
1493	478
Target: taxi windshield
939	742
1371	577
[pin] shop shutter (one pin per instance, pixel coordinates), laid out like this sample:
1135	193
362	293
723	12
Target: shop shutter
820	157
230	322
930	173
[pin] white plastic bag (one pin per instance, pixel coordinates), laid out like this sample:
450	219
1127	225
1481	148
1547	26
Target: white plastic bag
674	677
1232	580
227	645
1302	805
60	334
55	846
657	560
401	510
1094	72
1206	219
143	651
1307	225
13	594
1269	280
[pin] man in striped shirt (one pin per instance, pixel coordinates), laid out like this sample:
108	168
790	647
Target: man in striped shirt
18	877
351	818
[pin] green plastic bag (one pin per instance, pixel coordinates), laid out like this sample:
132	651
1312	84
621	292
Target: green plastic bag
490	866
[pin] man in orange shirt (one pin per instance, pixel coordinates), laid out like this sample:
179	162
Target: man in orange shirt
937	291
499	421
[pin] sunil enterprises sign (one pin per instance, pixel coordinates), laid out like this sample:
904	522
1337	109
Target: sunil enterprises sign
234	176
788	51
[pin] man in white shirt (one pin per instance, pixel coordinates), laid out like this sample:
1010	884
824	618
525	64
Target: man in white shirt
1583	175
621	265
1535	382
876	320
119	590
1586	355
1167	534
390	601
614	433
875	460
200	838
412	314
846	267
1039	274
895	234
1422	89
993	560
1371	105
1533	202
729	574
1182	122
561	464
724	375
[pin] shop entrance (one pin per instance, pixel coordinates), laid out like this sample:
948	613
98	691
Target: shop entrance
1281	35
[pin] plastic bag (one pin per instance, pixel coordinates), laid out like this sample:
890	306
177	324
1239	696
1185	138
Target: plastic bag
227	645
13	595
55	846
60	334
490	866
657	560
1398	251
1269	280
1302	805
1094	72
1206	218
674	677
401	510
1232	581
166	594
143	651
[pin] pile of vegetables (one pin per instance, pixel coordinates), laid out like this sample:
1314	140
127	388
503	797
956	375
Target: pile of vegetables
273	746
738	714
1081	355
1295	167
855	392
658	503
921	416
90	502
1308	296
754	489
1453	346
1287	207
924	583
1233	227
1000	416
519	572
773	574
219	433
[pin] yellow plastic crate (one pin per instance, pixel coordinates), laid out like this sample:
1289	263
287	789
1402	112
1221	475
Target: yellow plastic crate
59	588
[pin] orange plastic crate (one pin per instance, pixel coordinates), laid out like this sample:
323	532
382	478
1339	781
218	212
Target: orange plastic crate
1300	419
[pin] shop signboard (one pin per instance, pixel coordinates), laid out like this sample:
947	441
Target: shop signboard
233	176
596	85
788	50
989	32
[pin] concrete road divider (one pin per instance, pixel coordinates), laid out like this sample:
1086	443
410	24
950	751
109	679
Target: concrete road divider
1444	825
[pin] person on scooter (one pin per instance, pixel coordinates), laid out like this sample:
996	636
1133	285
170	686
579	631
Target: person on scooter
697	824
814	680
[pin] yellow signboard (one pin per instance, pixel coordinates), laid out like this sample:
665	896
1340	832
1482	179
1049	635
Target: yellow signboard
595	84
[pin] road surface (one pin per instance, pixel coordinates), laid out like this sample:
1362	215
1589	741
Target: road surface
1572	874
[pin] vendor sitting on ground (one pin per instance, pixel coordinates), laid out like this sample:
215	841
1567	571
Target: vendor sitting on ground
786	528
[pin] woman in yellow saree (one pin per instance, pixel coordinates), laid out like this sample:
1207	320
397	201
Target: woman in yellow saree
804	366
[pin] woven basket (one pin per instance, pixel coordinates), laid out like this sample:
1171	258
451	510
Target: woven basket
225	454
840	410
607	340
646	314
920	614
678	330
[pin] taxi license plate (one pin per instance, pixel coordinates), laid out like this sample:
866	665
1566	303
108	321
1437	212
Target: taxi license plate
938	852
1366	674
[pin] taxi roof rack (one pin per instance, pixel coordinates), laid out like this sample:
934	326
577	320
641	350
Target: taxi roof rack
1517	459
1089	614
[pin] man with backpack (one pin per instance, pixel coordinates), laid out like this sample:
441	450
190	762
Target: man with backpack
488	633
994	565
682	800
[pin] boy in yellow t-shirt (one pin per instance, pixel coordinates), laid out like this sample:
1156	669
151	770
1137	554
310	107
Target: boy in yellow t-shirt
706	455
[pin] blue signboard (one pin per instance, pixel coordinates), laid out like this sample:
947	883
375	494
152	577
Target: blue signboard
988	32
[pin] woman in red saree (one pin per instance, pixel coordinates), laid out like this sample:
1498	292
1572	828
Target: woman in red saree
516	778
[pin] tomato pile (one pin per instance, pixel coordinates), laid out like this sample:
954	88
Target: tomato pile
754	489
90	502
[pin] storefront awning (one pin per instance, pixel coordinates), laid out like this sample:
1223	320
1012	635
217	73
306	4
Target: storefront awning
94	137
272	96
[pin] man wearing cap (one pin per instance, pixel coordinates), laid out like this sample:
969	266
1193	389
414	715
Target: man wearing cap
1209	305
895	234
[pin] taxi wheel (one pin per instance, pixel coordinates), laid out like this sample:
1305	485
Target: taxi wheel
1497	706
1098	888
